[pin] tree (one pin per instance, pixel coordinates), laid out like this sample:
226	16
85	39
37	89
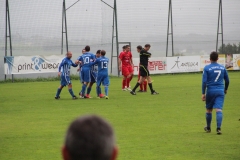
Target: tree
229	48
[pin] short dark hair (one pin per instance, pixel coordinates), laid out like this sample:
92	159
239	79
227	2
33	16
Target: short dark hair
139	47
127	46
147	45
103	52
123	47
90	137
98	51
87	48
214	56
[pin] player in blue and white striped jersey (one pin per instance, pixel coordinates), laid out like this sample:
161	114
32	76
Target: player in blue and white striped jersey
64	73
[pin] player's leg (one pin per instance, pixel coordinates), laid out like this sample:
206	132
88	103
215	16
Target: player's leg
93	80
209	107
125	78
71	91
218	105
58	92
153	92
98	84
145	85
129	77
143	73
141	85
86	77
106	83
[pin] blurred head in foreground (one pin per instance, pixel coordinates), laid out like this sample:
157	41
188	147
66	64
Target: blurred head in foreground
89	138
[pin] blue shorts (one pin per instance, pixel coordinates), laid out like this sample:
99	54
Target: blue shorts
93	77
85	75
65	80
103	79
215	99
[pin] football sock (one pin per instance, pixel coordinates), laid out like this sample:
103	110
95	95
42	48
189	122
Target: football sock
106	90
84	86
123	83
128	81
58	92
145	85
150	86
130	78
219	117
71	92
136	86
208	119
89	90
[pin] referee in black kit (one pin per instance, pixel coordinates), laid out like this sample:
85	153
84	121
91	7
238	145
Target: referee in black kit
144	72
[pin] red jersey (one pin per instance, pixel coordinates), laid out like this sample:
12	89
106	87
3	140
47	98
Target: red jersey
126	58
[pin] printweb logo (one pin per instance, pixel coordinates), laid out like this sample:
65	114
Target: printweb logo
177	61
37	62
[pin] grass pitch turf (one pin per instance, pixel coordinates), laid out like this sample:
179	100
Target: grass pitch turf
165	126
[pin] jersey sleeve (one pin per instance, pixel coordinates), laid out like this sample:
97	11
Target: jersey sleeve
60	65
204	80
73	64
120	56
226	79
143	52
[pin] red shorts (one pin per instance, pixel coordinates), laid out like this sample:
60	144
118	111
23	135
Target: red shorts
127	70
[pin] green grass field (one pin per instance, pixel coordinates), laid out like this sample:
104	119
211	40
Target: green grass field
165	126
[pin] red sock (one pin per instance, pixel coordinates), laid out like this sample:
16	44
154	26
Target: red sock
145	85
130	78
141	87
123	83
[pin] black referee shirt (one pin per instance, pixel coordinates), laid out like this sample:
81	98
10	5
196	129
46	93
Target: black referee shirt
144	55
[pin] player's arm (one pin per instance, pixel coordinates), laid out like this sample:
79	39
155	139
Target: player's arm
95	62
74	64
60	67
226	79
143	52
204	84
120	62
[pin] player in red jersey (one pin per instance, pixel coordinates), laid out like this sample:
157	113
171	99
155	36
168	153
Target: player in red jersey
126	66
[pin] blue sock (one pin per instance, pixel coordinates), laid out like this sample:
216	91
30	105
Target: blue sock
71	92
219	117
84	86
106	90
97	91
58	92
89	90
208	119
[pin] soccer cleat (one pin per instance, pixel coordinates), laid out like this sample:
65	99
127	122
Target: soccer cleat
154	93
140	91
106	97
124	89
74	97
129	89
219	131
133	93
88	96
208	130
57	98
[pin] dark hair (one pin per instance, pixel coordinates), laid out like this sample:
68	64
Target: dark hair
127	46
90	137
214	56
87	48
123	47
98	52
103	52
147	45
139	47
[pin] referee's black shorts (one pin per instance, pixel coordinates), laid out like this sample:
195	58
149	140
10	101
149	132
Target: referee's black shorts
144	72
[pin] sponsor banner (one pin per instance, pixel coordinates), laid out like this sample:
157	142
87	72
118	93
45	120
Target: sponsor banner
156	65
183	64
205	60
236	61
32	64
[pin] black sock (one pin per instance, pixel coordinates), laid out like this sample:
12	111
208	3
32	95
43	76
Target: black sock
150	86
136	86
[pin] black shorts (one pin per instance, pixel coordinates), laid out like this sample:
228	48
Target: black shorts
144	72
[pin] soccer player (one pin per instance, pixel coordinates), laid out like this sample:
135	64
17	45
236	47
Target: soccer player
143	86
64	73
85	60
212	80
80	66
94	73
125	65
89	138
102	77
144	72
